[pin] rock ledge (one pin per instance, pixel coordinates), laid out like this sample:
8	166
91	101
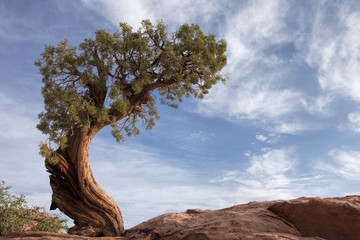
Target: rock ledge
298	219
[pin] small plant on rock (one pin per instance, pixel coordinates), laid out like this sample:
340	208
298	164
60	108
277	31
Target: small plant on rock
17	216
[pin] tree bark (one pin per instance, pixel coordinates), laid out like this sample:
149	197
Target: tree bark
77	194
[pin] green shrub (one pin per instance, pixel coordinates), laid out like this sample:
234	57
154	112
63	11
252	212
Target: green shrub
16	216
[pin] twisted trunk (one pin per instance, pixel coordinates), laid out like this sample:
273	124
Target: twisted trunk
76	193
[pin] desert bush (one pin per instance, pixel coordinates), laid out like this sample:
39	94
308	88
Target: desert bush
17	216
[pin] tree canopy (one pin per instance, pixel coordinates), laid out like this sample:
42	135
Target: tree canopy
116	79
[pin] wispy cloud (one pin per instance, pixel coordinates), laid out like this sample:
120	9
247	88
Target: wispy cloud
273	163
269	175
257	91
19	29
134	11
250	31
335	49
344	163
261	137
20	164
18	119
270	138
274	174
319	104
145	182
253	99
293	127
354	121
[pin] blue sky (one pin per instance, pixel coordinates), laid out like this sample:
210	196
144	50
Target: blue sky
286	124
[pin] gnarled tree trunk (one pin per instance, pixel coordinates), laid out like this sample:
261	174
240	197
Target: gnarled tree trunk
76	193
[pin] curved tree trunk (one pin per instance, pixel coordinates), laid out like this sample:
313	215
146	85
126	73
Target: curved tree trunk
76	193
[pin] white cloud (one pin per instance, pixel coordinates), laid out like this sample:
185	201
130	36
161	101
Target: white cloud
131	11
18	119
257	90
200	136
29	27
256	100
319	104
124	160
292	127
275	174
270	175
335	49
251	30
345	163
272	164
190	140
354	121
271	138
19	140
173	12
261	138
253	100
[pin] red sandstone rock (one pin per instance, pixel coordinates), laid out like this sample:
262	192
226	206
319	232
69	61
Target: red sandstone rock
277	236
329	218
299	219
52	236
250	221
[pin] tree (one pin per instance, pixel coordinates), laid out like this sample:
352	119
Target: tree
114	79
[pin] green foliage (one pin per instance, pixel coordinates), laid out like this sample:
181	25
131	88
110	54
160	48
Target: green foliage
115	79
16	216
48	153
